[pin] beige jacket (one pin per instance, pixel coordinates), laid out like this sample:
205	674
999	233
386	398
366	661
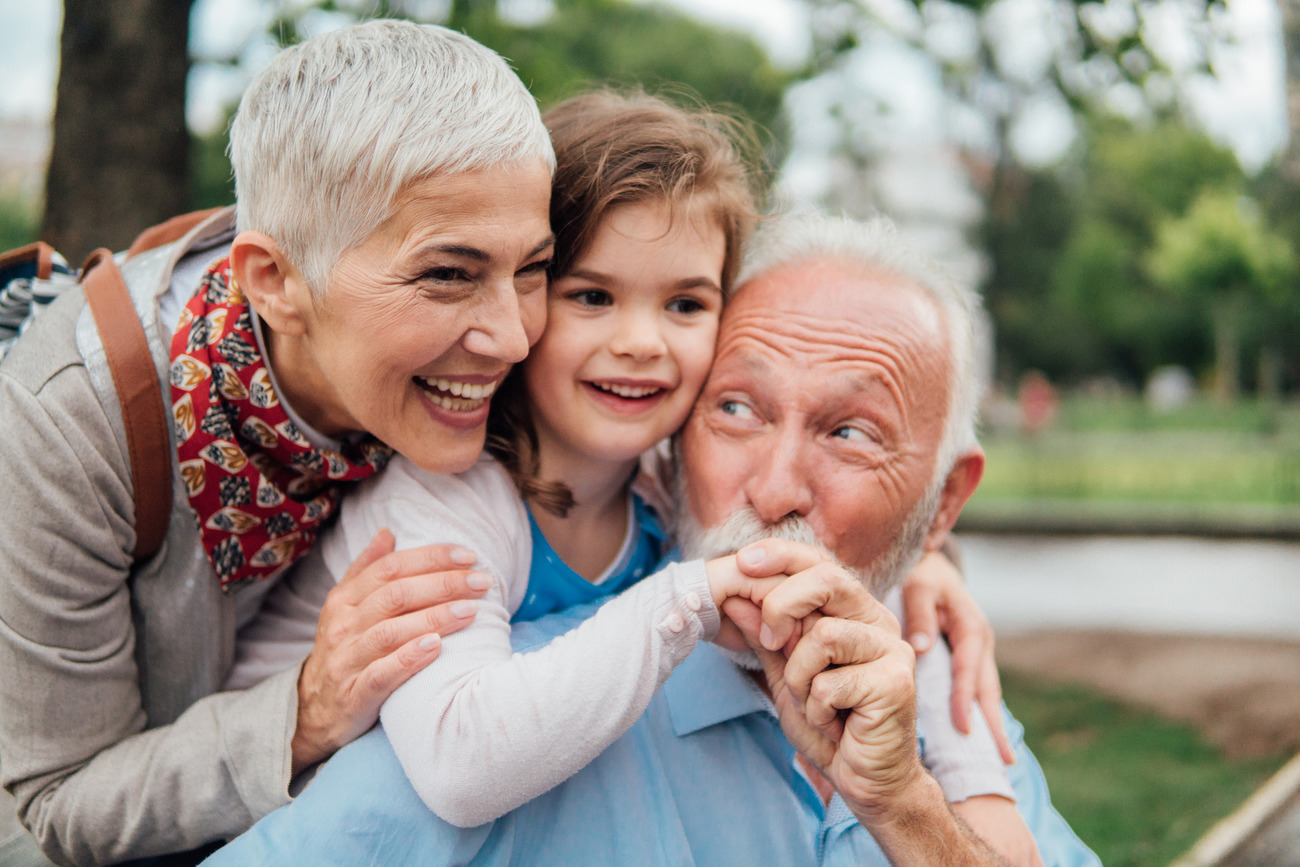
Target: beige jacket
113	739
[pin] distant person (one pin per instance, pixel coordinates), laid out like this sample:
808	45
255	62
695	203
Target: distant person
1038	403
840	410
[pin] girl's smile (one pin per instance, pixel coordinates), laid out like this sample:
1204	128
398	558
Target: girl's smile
630	336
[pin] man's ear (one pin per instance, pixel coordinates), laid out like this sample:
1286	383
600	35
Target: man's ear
271	283
962	480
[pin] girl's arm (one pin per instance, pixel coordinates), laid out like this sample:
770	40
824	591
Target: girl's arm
969	768
483	730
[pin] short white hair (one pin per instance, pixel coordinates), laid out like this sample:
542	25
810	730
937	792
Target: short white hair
876	245
335	128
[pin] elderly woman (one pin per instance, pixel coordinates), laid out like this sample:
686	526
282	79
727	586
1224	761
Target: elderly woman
384	267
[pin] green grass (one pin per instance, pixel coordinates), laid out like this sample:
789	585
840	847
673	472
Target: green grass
1136	787
1119	451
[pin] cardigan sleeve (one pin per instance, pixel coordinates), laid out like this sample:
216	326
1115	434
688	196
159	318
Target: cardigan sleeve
483	730
964	765
92	782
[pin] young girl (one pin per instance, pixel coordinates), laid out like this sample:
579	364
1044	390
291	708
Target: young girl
650	207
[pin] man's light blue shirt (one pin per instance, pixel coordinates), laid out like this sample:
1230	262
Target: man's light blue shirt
704	777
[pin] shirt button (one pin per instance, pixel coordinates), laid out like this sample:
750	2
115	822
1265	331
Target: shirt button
674	622
692	601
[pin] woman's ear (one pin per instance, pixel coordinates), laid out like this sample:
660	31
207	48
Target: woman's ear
962	481
272	284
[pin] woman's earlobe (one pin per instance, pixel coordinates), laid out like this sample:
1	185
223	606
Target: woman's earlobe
273	286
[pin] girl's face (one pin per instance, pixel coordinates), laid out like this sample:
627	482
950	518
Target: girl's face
630	334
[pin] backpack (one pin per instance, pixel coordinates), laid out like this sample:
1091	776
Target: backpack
33	276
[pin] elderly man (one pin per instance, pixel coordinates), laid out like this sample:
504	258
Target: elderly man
840	408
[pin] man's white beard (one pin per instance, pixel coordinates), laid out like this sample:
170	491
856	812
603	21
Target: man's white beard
745	527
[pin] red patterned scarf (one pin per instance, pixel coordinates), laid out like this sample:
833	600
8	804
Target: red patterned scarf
259	488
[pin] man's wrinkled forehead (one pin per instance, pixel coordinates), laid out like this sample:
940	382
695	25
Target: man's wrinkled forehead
830	309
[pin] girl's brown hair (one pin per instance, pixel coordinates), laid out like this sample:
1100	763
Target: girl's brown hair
615	149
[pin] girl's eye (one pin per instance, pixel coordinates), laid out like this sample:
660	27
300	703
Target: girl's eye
736	408
851	434
685	305
590	297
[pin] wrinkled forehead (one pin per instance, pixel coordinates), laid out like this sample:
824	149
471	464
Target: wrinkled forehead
826	311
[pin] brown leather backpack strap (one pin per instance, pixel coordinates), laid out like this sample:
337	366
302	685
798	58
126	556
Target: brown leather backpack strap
39	252
136	380
168	231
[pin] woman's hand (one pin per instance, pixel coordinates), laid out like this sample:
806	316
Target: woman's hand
380	625
935	599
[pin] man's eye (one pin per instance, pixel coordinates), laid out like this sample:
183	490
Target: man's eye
590	297
737	409
852	434
685	305
537	267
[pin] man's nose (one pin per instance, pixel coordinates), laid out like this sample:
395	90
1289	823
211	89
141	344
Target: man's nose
637	336
779	484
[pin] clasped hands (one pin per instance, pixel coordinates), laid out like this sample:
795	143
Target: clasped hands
836	667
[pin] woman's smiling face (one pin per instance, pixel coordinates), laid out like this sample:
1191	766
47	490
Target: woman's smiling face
424	318
631	333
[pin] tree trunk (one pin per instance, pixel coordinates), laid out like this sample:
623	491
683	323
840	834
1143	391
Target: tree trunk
1227	351
120	160
1291	43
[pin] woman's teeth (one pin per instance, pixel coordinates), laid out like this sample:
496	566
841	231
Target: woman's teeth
456	396
628	391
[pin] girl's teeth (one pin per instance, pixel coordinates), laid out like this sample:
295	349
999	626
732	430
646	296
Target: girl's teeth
627	391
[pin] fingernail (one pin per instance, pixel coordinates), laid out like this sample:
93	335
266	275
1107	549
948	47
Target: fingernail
766	638
462	556
751	555
478	581
463	609
920	642
432	641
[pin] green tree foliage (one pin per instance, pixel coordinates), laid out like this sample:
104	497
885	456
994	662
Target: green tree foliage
1220	259
1071	288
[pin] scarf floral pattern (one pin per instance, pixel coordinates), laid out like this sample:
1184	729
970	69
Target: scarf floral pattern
259	489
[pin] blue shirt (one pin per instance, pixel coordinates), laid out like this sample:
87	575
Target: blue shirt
553	586
704	777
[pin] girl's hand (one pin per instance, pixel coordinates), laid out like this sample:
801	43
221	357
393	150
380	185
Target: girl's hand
739	596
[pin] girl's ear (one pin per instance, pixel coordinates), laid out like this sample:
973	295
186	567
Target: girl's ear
272	284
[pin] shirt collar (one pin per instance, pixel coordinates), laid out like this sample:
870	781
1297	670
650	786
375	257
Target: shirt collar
708	689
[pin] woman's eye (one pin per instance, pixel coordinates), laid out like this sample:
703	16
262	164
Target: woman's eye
685	305
852	434
737	409
444	275
538	267
590	297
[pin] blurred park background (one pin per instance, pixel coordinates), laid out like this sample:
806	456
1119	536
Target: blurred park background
1121	180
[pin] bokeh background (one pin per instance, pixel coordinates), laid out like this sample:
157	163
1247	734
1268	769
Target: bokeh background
1121	180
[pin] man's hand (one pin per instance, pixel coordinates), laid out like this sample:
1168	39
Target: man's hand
846	698
935	599
381	624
